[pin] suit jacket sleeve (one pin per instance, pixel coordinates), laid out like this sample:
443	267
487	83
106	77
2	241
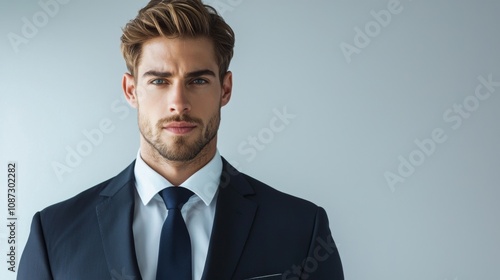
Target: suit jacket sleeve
34	262
323	261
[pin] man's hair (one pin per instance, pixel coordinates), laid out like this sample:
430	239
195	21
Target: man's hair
177	19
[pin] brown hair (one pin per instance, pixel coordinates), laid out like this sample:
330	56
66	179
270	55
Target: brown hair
177	19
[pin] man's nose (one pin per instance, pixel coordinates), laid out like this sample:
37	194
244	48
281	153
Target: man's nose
178	100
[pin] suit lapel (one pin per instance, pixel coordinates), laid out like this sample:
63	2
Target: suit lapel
234	216
233	220
115	215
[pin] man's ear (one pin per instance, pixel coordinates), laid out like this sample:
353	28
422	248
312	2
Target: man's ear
227	88
128	85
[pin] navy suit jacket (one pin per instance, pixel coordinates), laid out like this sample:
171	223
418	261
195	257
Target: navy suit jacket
258	233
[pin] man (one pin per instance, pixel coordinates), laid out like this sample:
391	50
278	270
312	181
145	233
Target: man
224	224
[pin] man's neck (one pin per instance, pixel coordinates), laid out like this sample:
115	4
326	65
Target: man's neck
177	172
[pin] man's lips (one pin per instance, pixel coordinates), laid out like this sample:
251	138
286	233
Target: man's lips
180	127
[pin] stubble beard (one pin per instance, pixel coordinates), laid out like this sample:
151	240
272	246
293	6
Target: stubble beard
180	149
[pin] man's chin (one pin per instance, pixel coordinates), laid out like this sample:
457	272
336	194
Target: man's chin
178	152
182	148
179	156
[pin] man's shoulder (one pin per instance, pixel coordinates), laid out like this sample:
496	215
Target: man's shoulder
294	218
261	192
83	198
270	197
75	208
87	200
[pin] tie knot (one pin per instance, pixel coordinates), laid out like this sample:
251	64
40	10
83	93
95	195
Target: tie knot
175	197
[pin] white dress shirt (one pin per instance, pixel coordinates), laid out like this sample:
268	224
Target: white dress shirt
150	212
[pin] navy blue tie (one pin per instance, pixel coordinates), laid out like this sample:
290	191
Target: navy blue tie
174	257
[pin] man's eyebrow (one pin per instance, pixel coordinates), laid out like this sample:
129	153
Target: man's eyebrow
188	75
157	74
200	73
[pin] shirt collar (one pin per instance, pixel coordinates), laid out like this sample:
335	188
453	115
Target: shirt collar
204	182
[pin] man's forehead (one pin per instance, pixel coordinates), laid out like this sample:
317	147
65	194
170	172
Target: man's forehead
177	54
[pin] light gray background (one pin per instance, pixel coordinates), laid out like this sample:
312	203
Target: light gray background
353	120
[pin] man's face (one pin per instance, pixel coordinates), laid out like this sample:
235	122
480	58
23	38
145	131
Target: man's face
178	96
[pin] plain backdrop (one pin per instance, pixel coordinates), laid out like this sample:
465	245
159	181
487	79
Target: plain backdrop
383	112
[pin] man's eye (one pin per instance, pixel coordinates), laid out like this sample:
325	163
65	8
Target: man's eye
199	81
158	82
